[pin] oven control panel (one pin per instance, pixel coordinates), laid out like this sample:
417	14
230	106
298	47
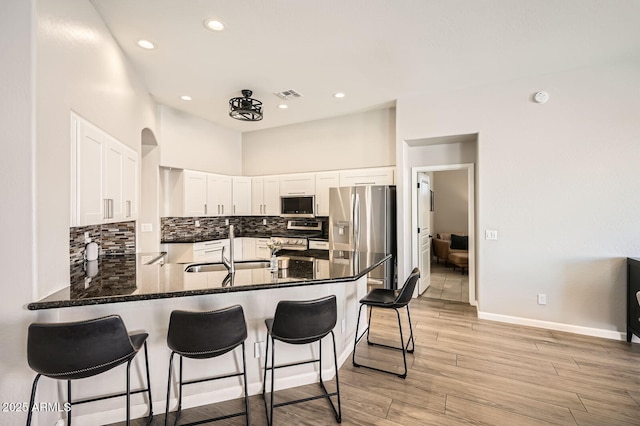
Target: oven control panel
291	243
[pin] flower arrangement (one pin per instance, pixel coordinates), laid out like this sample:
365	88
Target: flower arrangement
274	246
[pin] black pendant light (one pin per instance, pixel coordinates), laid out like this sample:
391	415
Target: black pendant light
245	108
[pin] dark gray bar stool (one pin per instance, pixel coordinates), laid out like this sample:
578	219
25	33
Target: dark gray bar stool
77	350
203	335
389	299
298	323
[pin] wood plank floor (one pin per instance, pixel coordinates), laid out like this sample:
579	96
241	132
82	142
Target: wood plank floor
469	371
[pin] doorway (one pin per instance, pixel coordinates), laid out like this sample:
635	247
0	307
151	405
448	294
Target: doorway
421	222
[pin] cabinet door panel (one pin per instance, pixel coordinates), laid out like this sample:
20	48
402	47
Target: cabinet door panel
195	193
113	179
257	196
89	185
241	196
130	185
272	196
324	181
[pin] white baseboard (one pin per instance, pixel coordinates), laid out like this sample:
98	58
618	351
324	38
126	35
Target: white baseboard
569	328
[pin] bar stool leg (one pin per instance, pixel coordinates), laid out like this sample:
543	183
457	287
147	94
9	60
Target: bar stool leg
129	393
273	379
146	363
33	397
335	363
70	403
246	392
166	411
179	412
402	347
413	343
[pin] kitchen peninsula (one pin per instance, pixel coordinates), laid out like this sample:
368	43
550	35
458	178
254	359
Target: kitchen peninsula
144	291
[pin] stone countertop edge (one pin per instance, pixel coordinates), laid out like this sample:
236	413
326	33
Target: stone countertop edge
198	292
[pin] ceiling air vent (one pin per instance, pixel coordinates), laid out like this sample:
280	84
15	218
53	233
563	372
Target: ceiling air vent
288	94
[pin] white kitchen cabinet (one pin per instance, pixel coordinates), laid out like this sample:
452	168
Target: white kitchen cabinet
219	195
241	188
104	174
373	176
130	184
265	196
298	184
196	194
249	248
324	181
262	251
202	252
88	171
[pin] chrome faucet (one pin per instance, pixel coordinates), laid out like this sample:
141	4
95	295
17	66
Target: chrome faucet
229	263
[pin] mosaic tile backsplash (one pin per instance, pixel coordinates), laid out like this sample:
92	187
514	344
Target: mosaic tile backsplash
112	239
180	228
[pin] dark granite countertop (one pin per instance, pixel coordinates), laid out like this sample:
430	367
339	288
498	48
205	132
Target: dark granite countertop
129	278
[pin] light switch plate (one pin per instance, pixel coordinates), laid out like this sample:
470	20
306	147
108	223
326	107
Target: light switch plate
491	234
146	227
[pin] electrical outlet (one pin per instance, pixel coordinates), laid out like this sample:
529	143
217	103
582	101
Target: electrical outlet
542	299
491	234
264	221
258	348
226	221
197	224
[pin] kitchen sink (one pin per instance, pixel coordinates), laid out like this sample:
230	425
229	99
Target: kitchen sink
219	267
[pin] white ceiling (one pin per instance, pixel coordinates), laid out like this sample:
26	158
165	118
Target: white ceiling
375	51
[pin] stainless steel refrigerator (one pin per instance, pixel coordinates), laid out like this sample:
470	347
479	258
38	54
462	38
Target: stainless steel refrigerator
363	219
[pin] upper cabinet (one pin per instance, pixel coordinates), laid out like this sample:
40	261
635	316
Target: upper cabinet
265	196
193	193
219	195
324	181
373	176
104	176
298	184
241	190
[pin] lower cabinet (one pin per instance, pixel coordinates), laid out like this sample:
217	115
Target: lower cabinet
206	251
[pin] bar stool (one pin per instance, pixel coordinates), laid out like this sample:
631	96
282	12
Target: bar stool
389	299
77	350
204	335
298	323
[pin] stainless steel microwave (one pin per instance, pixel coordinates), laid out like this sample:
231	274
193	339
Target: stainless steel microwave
297	206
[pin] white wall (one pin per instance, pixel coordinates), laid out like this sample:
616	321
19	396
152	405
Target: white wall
352	141
190	142
17	258
81	68
559	183
451	195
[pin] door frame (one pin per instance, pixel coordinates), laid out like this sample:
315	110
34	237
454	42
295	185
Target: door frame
415	241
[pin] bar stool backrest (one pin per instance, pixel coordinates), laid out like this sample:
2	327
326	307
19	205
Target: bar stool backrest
301	322
75	350
405	295
206	334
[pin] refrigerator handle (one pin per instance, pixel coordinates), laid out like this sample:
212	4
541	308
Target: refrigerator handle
355	220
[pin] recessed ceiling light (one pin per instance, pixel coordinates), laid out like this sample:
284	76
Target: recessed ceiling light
283	106
338	95
185	98
146	44
213	24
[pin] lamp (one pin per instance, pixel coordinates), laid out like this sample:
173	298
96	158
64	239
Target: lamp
245	108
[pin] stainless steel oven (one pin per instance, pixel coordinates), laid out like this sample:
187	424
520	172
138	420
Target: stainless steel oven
297	235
